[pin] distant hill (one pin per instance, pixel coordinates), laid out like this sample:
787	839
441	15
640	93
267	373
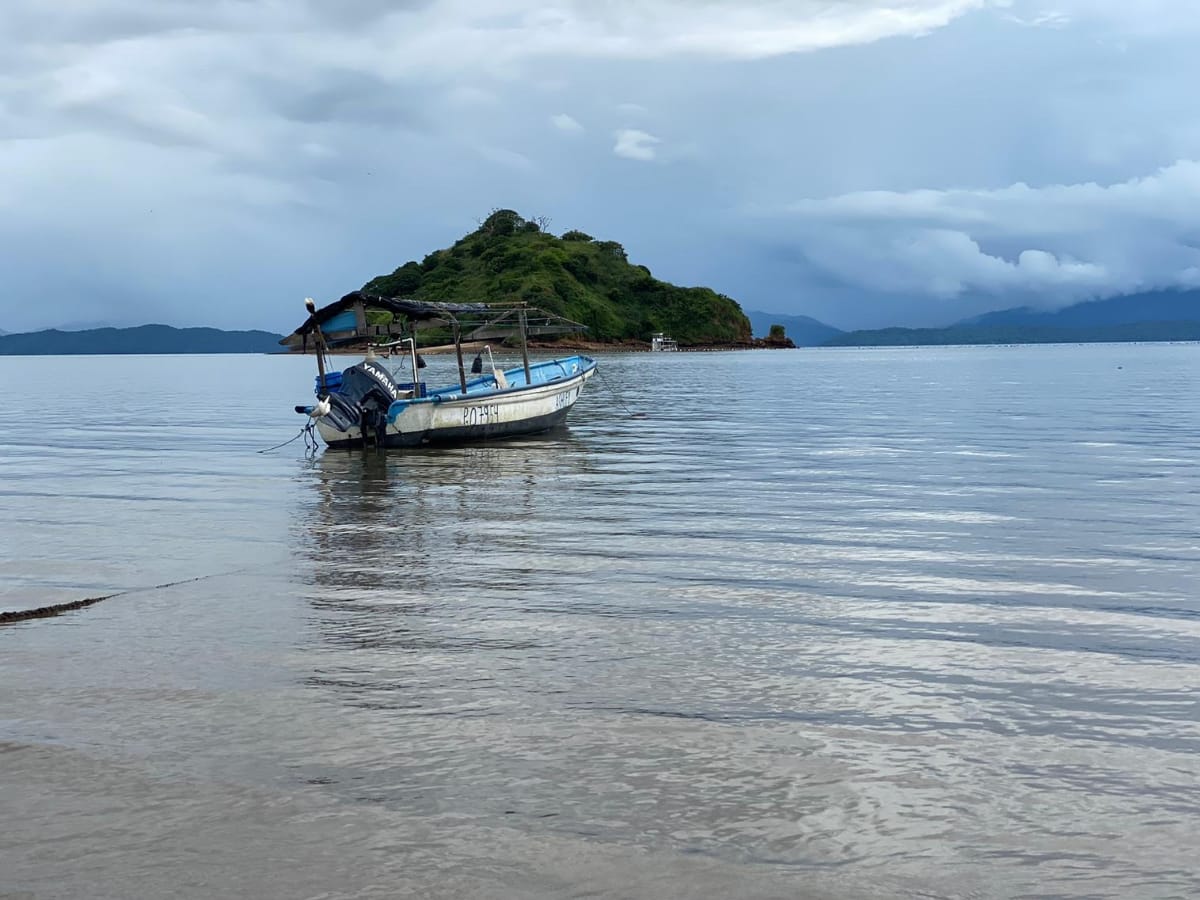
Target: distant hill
510	258
1147	306
1018	334
803	330
143	339
1147	316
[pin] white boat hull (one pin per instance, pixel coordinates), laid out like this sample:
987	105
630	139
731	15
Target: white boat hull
480	415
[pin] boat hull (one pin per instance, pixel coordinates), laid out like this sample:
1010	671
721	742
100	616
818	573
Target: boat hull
481	415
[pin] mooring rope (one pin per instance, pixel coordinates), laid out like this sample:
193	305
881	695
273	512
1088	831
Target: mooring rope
57	609
617	397
305	432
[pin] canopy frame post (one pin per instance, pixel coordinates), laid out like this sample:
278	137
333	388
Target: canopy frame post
416	365
462	372
320	344
521	321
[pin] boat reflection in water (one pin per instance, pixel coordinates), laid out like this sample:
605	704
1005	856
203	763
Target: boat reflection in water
389	540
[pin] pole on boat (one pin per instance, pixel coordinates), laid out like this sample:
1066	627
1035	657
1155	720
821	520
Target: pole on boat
412	346
524	345
320	342
462	372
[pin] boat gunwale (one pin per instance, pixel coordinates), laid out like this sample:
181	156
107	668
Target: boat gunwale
558	381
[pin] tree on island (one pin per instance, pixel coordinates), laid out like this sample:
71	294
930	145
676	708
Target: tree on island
777	337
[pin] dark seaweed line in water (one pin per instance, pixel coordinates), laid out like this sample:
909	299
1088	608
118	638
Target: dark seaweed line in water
57	609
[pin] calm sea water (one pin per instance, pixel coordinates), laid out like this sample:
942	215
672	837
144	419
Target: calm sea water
831	624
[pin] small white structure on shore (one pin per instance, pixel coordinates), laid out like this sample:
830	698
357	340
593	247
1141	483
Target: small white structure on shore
660	343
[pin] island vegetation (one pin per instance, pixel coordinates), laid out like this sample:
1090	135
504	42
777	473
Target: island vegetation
512	258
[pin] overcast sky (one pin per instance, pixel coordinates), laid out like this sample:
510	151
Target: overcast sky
866	162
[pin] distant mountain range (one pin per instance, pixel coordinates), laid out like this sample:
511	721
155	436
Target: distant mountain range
1147	316
804	331
1018	334
145	339
1149	306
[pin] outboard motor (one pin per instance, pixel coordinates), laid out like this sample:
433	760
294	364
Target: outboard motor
362	400
372	420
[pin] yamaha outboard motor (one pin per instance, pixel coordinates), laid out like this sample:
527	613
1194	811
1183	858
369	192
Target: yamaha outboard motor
362	400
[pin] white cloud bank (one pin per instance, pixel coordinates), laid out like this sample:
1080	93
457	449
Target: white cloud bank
729	29
1059	243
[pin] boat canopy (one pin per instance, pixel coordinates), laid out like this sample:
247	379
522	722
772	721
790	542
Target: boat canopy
345	321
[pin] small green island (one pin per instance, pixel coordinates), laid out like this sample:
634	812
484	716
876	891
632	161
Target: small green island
574	275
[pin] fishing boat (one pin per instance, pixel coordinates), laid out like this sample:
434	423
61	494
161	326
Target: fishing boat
369	405
660	343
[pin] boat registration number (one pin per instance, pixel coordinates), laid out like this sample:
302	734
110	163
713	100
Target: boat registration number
481	415
564	399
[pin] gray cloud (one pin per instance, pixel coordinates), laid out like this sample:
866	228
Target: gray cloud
345	96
